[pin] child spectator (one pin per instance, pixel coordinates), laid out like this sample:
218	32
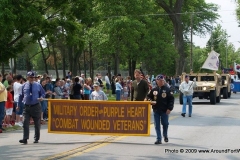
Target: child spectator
9	106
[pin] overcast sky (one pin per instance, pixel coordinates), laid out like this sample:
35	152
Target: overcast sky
228	21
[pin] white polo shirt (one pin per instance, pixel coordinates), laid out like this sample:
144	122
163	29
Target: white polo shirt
187	88
17	88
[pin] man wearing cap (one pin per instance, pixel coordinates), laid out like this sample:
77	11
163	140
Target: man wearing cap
98	94
32	92
162	104
186	88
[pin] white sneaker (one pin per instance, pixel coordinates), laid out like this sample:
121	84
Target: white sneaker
20	124
9	125
16	123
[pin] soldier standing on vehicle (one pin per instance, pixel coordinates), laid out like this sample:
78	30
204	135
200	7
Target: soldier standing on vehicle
186	88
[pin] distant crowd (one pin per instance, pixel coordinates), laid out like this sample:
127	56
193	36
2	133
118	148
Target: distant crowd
76	88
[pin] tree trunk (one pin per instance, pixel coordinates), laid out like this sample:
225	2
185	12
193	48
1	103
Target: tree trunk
70	58
84	63
74	62
79	67
55	61
15	66
109	70
91	61
178	31
3	69
179	46
63	61
28	63
43	57
130	67
116	65
134	62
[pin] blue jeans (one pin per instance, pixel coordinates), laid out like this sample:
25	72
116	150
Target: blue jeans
20	108
164	121
118	95
189	100
77	96
2	110
43	105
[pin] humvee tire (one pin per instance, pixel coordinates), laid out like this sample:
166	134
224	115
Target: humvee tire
218	99
213	97
181	98
225	93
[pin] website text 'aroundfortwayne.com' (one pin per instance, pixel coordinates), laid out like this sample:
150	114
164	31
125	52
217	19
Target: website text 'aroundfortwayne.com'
202	150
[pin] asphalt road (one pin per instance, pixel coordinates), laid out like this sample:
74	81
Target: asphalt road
212	128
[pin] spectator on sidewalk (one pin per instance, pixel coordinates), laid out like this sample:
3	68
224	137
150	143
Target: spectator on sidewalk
9	106
98	94
107	83
17	88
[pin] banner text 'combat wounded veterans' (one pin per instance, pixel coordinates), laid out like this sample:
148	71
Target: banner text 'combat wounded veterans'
99	117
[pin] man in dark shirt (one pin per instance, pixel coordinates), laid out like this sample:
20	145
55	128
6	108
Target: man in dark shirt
32	93
140	87
162	104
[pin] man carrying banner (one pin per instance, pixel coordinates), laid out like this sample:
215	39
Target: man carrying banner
139	88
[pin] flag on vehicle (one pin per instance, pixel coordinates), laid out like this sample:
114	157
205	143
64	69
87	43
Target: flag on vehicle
212	61
236	67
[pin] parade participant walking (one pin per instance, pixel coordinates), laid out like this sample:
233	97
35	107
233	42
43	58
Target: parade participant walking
186	88
3	99
32	93
139	88
162	104
98	94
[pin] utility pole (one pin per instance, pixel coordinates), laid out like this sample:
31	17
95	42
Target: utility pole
191	55
226	50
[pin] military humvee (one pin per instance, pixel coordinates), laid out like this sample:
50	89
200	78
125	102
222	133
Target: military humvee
226	86
208	86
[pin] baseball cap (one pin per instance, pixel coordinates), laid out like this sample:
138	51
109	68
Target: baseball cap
186	76
96	84
160	77
30	74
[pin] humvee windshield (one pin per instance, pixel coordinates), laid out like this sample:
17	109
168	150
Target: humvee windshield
192	77
207	78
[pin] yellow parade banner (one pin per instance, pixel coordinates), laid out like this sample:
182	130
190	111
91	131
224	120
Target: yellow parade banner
99	117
